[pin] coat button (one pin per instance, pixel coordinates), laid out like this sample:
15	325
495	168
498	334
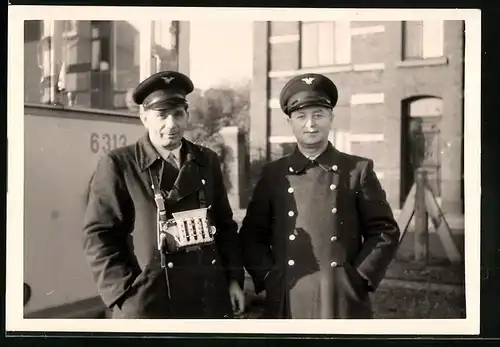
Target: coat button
333	238
170	265
214	261
290	169
202	181
291	262
333	264
291	237
290	190
291	213
335	167
334	210
333	186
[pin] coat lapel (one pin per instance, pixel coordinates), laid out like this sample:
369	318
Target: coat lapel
189	179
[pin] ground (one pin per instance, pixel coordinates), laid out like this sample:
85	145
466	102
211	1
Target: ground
413	291
417	303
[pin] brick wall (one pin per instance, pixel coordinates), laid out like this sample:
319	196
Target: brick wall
372	90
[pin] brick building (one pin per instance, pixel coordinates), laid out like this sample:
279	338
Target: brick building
98	63
400	96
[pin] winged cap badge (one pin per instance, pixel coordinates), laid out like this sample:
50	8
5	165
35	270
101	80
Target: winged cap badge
308	80
168	79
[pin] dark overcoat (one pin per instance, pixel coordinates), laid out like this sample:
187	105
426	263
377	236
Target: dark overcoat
318	236
120	241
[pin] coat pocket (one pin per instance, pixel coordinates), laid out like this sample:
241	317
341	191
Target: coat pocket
146	297
354	283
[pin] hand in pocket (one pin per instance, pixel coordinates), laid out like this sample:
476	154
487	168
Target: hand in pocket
358	283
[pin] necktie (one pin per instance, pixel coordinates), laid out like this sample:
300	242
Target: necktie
171	160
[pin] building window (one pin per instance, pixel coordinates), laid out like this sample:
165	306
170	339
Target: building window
325	43
423	39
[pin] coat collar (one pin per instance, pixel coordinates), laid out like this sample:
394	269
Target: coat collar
147	154
327	160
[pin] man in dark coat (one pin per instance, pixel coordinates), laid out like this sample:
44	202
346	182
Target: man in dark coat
120	232
318	234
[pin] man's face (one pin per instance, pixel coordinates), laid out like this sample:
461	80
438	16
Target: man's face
311	125
166	127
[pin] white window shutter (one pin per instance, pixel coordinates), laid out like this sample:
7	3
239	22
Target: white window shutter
342	42
309	44
326	43
433	38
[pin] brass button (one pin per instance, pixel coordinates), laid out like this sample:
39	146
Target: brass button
333	238
203	181
170	265
333	264
333	186
291	237
290	190
334	210
213	261
290	169
291	262
291	213
335	167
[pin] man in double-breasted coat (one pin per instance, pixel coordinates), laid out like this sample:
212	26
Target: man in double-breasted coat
319	233
120	225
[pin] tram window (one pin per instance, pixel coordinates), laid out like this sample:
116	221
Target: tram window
94	64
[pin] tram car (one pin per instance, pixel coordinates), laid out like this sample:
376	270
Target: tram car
61	151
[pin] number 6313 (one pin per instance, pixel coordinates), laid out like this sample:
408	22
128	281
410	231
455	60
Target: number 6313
106	142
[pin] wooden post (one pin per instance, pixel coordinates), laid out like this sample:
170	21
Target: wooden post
421	218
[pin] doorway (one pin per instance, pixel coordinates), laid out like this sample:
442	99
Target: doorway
421	143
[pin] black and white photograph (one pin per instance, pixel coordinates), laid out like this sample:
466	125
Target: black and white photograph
243	170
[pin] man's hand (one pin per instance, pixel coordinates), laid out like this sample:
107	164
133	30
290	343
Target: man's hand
237	297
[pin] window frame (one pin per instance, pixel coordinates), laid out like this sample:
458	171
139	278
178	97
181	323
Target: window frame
335	57
425	48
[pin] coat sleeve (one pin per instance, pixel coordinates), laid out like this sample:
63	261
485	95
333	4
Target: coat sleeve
255	233
105	230
380	230
226	236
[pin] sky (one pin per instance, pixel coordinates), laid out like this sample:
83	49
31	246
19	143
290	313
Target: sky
220	52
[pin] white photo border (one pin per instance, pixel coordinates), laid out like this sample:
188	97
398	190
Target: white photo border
15	134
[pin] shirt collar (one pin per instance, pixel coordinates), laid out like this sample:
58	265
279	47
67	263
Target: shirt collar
176	152
147	154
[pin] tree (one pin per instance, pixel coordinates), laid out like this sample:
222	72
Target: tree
220	107
214	109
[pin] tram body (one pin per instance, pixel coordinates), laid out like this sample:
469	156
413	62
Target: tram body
61	149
